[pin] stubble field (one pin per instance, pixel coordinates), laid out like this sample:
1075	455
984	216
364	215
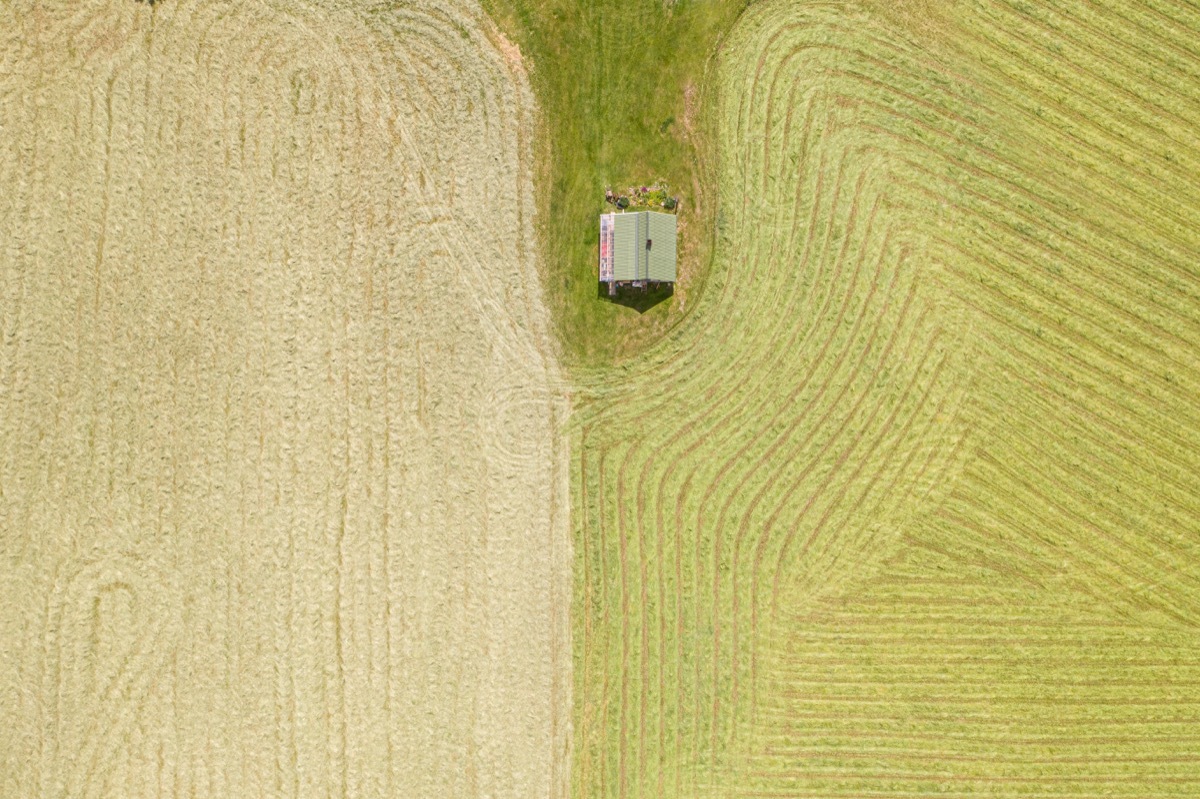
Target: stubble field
282	502
908	507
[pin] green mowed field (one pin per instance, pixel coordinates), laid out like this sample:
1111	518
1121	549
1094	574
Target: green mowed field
909	503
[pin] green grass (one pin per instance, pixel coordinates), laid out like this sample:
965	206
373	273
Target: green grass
610	79
909	505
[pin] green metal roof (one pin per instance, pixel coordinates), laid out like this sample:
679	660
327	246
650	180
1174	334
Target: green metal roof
625	247
643	246
660	247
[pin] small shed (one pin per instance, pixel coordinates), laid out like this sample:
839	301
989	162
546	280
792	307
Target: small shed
637	249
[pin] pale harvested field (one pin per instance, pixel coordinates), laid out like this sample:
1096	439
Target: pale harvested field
281	511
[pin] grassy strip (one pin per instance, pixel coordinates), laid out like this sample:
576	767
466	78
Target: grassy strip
620	86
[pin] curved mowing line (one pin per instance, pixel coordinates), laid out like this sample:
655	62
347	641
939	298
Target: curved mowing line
802	445
841	460
944	156
991	154
781	438
800	385
1159	332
